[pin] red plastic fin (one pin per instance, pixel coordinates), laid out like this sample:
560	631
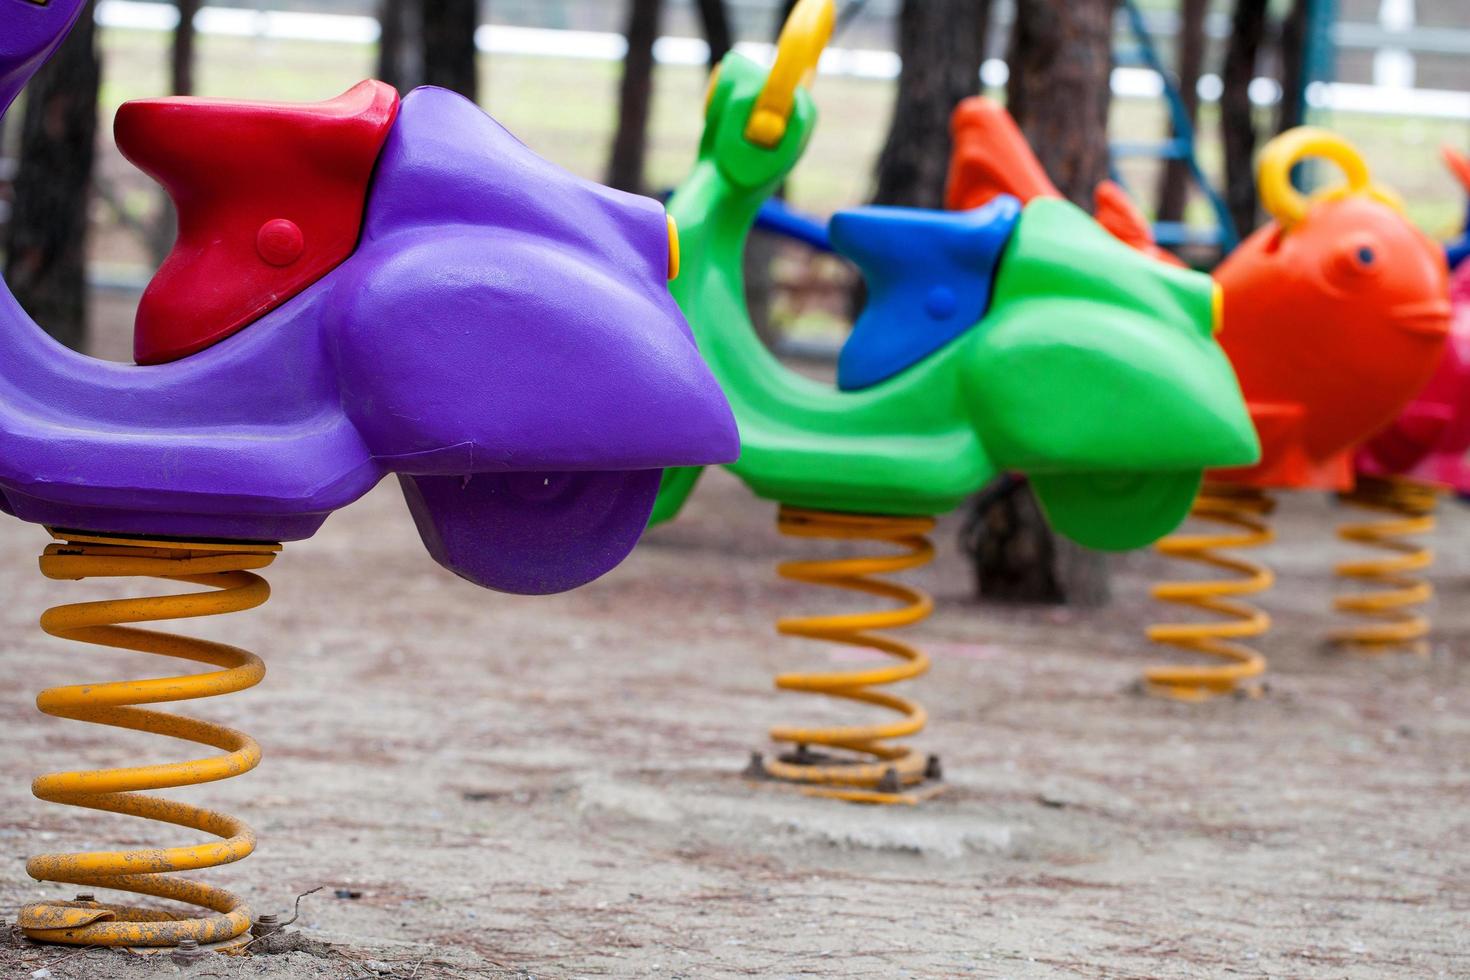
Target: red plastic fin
1335	473
1116	211
991	157
1458	163
270	198
1285	462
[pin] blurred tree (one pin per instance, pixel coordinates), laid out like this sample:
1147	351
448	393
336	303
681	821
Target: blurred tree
46	239
982	16
1291	112
449	45
761	247
941	43
1188	64
429	42
401	43
181	60
159	229
1237	122
635	96
714	15
1061	61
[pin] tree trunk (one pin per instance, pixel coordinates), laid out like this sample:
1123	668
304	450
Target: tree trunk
715	17
760	248
1237	123
449	45
1060	61
983	11
940	44
635	96
1189	63
1061	58
1018	559
181	60
401	43
1292	112
161	228
46	241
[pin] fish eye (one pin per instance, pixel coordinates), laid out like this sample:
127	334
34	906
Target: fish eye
1355	260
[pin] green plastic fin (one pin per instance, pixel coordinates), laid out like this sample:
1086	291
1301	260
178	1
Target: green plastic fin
1117	511
673	490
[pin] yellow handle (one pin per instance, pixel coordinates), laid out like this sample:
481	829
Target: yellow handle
806	33
1283	201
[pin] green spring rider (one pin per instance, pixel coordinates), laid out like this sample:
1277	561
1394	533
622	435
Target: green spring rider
1005	338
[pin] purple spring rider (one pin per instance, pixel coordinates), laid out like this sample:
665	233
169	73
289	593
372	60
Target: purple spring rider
494	331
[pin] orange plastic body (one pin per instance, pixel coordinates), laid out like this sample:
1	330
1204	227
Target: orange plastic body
1333	326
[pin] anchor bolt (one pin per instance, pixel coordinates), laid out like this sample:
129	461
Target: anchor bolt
187	952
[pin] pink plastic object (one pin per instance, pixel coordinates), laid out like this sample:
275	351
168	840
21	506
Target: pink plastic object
1430	439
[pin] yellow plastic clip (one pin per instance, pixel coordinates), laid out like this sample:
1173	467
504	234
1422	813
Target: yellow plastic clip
673	248
1287	204
806	33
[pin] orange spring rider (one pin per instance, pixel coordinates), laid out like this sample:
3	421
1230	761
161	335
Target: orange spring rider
1336	314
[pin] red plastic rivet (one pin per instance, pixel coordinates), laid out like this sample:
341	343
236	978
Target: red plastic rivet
280	242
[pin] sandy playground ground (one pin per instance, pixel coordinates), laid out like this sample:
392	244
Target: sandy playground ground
492	786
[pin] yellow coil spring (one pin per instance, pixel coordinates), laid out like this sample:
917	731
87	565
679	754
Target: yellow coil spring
1397	623
1245	509
865	769
222	567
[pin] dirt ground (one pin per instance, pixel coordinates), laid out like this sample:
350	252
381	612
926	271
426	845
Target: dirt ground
550	786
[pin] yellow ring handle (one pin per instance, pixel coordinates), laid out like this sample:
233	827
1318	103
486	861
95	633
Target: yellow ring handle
1284	202
806	33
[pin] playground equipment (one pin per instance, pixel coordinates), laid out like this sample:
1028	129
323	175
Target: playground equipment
1400	474
1180	145
994	339
359	288
1335	315
1459	165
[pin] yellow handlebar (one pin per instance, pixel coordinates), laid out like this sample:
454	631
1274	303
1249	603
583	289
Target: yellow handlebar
806	33
1287	204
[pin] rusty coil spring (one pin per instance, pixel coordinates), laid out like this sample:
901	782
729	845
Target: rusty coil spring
865	766
1243	509
1393	604
224	569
